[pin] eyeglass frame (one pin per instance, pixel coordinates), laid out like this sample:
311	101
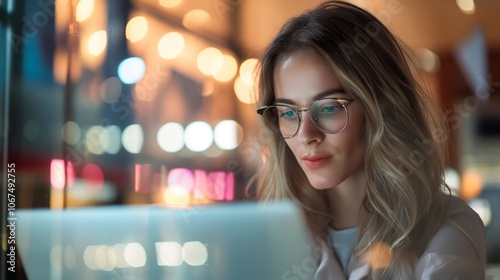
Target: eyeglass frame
343	101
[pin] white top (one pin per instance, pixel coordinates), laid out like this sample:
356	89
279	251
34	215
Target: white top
343	243
449	254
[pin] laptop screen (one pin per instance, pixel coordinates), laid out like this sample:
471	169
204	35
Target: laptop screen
243	240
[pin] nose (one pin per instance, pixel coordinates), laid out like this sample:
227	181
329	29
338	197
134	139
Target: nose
308	132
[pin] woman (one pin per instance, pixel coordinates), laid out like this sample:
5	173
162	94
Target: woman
353	139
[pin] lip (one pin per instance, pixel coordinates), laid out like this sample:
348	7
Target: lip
316	161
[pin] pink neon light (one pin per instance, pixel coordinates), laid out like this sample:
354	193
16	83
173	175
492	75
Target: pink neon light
200	181
70	171
215	185
143	178
181	177
57	177
137	177
182	182
229	186
93	175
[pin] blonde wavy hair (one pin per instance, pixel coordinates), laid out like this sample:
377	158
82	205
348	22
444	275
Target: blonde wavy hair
403	135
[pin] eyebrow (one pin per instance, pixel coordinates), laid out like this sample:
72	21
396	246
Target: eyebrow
319	95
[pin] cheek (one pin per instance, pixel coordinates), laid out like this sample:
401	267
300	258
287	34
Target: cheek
293	145
356	142
351	140
355	130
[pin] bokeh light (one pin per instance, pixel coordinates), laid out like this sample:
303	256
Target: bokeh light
247	70
228	134
428	60
94	139
175	195
168	253
135	255
170	137
109	257
472	183
111	141
89	257
119	252
56	257
131	70
84	10
379	256
101	258
194	253
170	3
71	133
198	136
136	29
205	59
181	181
244	92
93	175
133	138
468	7
69	257
196	19
171	45
97	42
224	70
57	176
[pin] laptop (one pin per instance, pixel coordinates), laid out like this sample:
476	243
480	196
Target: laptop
233	241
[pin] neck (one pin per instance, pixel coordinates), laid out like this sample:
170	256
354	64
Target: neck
346	200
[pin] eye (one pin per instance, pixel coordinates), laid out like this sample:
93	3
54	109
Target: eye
329	108
287	113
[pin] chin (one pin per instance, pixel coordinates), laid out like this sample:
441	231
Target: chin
324	179
322	187
321	183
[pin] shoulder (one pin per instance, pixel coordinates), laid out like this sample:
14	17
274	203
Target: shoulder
457	250
462	215
458	210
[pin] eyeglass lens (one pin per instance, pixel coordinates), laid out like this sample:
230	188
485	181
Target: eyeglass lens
328	115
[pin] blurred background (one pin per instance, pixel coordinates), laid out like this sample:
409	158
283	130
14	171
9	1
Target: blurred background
152	101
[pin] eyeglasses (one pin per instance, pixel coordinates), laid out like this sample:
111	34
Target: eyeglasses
329	115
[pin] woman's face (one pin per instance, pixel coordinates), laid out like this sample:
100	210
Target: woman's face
327	159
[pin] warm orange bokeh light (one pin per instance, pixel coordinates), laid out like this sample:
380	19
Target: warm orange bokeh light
206	58
472	184
171	45
175	196
244	92
196	19
247	70
227	69
97	42
169	3
84	10
379	256
136	29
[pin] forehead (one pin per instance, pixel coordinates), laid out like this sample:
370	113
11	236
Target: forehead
300	76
